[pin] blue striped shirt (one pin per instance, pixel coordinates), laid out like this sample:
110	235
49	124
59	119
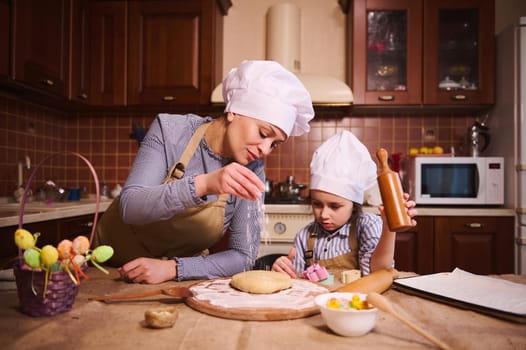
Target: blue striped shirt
330	245
144	199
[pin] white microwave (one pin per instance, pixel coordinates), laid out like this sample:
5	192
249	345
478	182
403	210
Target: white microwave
455	180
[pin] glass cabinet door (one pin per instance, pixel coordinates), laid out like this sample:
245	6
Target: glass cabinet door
387	51
459	51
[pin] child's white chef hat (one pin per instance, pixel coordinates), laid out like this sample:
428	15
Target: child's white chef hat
265	90
342	166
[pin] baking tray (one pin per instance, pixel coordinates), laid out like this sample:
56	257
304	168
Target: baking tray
505	315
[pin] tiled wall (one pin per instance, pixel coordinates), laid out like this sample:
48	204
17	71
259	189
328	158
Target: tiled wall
104	139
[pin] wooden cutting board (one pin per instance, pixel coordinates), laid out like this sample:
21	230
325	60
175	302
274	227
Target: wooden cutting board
217	298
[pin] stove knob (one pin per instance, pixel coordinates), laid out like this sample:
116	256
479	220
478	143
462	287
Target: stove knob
280	228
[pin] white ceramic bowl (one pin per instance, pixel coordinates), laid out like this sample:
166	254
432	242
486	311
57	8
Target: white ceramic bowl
347	322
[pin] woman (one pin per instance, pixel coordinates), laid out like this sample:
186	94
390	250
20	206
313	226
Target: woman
215	181
342	236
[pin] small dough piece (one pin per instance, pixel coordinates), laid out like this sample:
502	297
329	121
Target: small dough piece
261	282
349	276
160	318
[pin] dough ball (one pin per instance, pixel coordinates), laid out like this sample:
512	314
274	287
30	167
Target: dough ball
160	318
261	282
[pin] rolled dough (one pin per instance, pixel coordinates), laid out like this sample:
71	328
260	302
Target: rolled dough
261	282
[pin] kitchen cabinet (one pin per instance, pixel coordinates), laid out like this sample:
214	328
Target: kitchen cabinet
459	47
414	52
174	51
52	232
115	53
72	227
414	247
482	245
79	67
8	249
387	52
478	244
99	54
41	44
5	22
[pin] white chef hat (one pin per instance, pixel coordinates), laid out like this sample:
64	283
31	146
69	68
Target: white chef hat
265	90
342	166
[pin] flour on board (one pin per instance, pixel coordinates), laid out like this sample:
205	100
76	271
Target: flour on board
220	293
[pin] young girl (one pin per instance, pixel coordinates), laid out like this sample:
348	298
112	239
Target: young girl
342	235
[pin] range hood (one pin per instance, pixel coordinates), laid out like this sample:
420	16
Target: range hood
283	46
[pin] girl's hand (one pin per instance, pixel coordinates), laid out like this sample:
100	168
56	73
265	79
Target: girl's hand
148	270
409	204
284	264
234	179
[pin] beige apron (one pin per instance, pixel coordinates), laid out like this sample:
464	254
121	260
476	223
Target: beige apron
185	234
346	261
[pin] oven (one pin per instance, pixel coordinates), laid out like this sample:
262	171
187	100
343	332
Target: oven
282	222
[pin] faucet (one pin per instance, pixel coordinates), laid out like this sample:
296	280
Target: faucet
19	192
25	162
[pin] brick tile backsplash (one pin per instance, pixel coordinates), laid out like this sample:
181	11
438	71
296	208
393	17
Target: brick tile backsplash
104	139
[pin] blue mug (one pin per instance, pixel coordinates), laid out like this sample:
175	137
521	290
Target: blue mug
74	194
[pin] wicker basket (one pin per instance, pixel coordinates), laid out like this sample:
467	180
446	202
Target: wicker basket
61	291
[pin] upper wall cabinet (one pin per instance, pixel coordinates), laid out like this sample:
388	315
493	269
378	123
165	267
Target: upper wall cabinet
431	52
99	54
5	22
174	51
41	44
387	52
459	52
114	53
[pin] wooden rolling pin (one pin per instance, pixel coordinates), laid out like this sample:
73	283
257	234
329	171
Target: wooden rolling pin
378	281
392	195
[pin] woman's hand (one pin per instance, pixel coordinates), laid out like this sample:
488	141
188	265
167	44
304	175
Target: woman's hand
234	179
148	270
284	264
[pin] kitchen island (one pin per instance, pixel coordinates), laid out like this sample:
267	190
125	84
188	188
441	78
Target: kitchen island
120	325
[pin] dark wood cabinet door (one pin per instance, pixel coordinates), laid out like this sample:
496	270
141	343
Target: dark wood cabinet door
5	23
171	51
459	52
79	63
41	44
481	245
106	56
80	225
51	232
414	248
386	52
9	251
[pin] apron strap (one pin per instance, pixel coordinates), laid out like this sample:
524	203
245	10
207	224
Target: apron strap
309	253
176	172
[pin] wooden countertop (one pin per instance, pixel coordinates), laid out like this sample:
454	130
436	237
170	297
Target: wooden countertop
422	210
119	325
39	211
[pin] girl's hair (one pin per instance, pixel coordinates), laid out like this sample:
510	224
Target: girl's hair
357	210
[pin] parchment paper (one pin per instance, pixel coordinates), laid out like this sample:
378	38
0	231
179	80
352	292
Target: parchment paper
475	289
